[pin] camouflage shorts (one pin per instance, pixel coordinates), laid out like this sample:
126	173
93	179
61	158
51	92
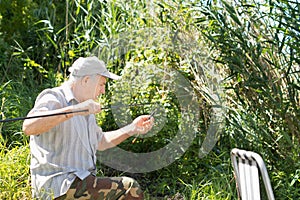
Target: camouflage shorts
104	188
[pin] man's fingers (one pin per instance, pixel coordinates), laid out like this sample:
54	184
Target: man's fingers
94	107
90	105
147	124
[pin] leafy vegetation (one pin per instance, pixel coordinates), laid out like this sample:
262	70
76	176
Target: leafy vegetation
240	56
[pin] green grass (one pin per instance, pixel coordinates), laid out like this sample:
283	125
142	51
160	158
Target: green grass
14	172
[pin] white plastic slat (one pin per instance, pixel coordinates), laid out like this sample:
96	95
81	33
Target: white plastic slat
254	181
242	176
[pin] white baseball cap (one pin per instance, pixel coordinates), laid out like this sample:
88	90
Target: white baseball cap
91	66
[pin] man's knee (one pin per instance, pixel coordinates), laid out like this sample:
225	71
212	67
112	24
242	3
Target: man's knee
132	187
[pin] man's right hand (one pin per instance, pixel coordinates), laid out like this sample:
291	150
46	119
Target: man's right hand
92	106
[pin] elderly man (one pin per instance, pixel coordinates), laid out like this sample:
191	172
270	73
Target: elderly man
63	147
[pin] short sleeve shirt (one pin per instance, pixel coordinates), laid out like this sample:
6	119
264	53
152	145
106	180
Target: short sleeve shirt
66	151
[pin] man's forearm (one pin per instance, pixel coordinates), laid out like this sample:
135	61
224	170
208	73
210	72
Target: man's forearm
113	138
40	125
140	125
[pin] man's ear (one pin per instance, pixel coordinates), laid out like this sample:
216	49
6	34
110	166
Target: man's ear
85	80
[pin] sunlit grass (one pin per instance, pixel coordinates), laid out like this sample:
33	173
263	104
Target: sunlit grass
14	172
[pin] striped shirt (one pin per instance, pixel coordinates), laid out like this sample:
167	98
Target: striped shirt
66	151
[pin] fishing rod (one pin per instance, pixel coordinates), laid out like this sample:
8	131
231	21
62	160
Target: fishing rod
76	111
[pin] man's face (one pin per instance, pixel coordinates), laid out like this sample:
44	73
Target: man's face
95	86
